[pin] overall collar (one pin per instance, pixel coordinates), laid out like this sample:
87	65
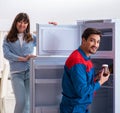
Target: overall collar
83	54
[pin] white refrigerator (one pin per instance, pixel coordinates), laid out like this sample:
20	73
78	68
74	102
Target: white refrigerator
54	45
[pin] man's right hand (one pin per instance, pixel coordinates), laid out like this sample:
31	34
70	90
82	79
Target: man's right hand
103	79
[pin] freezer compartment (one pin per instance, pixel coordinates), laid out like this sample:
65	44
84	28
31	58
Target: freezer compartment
53	40
107	30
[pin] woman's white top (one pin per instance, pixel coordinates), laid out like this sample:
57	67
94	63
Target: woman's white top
20	37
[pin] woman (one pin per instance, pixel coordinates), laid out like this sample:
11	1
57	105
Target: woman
18	47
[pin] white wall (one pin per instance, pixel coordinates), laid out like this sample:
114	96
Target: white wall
62	11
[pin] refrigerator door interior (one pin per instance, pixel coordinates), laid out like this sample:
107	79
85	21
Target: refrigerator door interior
57	40
46	75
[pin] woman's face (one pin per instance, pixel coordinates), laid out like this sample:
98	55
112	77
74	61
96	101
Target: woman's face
21	26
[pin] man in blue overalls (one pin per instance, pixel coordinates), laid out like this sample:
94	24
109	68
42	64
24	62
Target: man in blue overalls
78	82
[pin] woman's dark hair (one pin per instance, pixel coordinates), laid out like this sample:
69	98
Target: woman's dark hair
90	31
12	34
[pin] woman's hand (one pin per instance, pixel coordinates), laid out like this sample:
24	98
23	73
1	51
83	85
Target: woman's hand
24	59
53	23
31	56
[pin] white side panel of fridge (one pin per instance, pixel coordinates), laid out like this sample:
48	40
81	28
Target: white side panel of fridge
117	67
57	40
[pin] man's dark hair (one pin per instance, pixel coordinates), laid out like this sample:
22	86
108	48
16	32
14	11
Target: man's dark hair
90	31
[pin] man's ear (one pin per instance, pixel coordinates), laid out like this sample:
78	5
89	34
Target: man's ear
83	41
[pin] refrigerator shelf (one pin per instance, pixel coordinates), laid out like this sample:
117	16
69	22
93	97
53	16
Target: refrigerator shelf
48	81
47	109
111	87
48	66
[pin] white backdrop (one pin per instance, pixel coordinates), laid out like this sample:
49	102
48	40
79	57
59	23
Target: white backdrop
62	11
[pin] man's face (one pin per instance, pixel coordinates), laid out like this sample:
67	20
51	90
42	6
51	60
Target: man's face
91	44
